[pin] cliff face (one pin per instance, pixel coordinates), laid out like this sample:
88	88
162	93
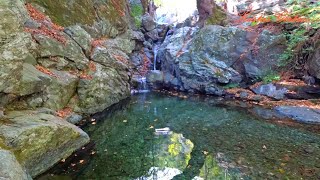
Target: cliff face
58	59
48	60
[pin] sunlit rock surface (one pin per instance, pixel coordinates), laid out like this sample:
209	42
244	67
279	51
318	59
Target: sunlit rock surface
39	140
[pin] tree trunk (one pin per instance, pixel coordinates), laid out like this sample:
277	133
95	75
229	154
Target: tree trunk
205	9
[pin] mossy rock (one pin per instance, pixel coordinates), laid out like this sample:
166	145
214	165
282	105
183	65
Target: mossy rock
40	140
85	12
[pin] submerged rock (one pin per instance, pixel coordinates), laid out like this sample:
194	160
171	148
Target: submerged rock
39	140
301	114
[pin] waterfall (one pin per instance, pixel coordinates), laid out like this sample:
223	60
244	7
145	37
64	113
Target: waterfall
155	53
142	86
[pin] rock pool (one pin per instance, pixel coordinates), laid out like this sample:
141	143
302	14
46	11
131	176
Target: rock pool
154	136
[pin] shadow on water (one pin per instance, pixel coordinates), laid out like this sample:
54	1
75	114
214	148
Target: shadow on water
152	136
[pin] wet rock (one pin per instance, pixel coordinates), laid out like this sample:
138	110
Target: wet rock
148	23
270	90
301	114
10	167
40	140
74	118
155	79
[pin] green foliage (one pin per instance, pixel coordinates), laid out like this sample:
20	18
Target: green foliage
294	38
231	85
158	3
270	76
136	13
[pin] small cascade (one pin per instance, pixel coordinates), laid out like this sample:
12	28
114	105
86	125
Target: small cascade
155	53
142	86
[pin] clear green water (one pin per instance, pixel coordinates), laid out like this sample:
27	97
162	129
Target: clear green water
205	141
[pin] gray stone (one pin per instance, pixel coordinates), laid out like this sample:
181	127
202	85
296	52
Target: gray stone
148	23
270	90
40	140
70	50
61	89
125	45
74	118
153	35
10	168
206	59
13	14
32	24
81	37
155	79
108	86
31	81
137	59
301	114
243	95
147	45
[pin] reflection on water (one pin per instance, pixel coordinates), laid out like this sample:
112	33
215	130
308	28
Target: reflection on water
158	137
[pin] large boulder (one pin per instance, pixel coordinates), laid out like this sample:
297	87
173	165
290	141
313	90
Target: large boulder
13	15
10	167
39	140
90	13
107	87
81	37
71	51
26	80
60	90
217	56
